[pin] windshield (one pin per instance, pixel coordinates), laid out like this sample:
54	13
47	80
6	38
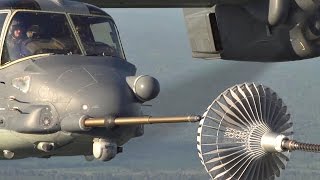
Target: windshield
32	33
98	35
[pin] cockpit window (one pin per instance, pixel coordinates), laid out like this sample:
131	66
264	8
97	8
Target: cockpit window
2	19
32	33
98	36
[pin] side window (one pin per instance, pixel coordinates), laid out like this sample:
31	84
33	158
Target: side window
2	19
99	32
98	36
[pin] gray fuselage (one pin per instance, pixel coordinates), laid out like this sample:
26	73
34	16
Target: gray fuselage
45	93
65	84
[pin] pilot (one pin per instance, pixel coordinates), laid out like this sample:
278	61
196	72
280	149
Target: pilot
89	43
33	32
14	40
84	33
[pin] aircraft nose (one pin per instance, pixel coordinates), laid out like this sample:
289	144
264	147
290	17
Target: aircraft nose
99	93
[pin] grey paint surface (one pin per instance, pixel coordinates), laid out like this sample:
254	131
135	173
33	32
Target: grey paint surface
60	85
45	5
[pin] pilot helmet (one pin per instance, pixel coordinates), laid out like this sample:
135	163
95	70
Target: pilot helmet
16	29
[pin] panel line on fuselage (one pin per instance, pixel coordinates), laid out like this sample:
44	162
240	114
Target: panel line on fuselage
10	63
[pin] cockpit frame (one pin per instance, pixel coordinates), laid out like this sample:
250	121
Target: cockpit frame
11	14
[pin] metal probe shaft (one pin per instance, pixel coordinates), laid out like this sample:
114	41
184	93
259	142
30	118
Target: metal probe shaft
103	122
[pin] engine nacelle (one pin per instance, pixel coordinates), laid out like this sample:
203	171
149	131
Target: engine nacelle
263	31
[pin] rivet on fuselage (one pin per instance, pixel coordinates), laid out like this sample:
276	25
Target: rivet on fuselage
85	107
